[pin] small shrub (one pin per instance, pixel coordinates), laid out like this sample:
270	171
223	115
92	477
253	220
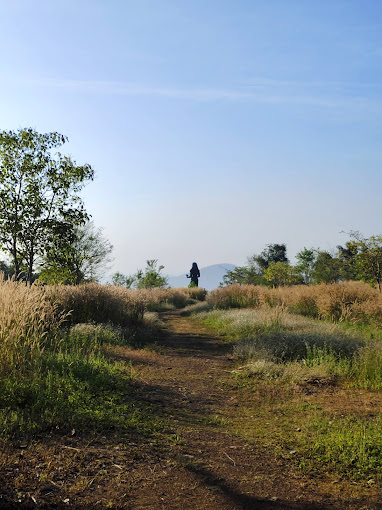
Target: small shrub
323	373
262	369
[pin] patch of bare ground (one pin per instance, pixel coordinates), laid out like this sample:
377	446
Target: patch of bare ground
219	450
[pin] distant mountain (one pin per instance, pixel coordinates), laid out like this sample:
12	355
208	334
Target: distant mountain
210	277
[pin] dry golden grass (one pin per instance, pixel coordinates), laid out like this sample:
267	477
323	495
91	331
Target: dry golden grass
30	316
156	299
92	302
236	296
52	375
350	301
27	317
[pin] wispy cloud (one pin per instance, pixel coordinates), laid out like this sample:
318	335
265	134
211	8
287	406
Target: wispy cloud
260	91
323	84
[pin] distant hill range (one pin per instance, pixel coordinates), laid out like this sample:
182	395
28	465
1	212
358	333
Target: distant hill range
210	277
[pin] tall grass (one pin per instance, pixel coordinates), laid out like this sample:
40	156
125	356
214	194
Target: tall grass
55	376
28	322
273	343
280	336
164	299
354	302
366	370
92	302
236	296
287	351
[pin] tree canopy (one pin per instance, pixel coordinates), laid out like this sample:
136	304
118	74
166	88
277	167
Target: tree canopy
367	253
39	195
254	272
82	259
272	253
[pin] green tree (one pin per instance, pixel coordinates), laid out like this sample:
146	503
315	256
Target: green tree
151	276
83	258
348	258
253	272
122	280
244	275
281	273
306	260
39	195
327	268
148	278
368	258
272	253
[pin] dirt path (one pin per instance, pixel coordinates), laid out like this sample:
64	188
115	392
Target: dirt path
210	467
201	464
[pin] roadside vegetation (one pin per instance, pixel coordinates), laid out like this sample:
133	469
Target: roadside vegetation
302	340
352	302
55	368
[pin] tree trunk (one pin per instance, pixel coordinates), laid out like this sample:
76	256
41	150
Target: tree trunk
30	266
16	262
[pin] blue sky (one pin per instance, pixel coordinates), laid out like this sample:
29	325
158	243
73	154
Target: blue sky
215	127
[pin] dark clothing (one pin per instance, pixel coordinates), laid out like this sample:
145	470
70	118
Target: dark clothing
194	273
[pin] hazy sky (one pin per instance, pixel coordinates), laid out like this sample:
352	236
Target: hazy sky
215	127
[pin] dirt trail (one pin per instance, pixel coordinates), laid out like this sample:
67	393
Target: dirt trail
200	464
216	469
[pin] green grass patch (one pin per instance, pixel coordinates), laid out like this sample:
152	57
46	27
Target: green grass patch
72	384
272	343
350	446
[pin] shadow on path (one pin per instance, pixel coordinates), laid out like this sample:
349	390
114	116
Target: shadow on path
244	501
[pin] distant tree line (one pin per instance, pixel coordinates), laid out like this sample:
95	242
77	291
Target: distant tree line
359	259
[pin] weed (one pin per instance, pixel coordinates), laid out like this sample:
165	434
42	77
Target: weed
214	420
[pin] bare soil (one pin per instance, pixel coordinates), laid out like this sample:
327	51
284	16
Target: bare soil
208	458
